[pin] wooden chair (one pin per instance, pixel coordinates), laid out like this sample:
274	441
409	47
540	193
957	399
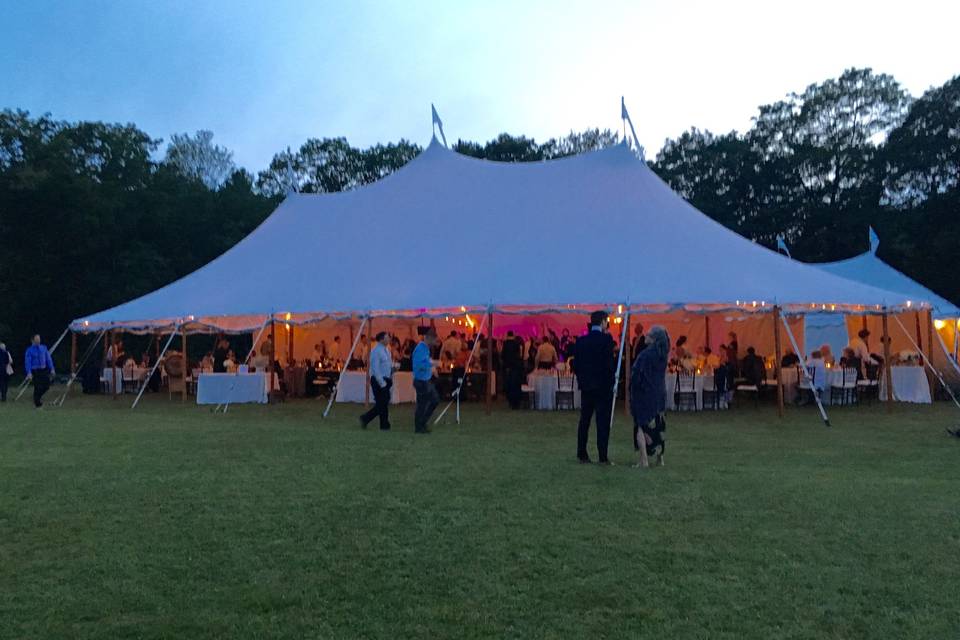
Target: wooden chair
531	395
712	394
175	367
685	391
807	383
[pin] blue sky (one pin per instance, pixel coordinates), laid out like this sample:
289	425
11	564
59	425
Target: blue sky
267	75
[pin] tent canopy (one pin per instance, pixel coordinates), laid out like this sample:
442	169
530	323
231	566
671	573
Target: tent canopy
448	230
870	269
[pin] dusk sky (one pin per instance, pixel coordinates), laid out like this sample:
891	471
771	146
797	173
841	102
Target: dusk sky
264	76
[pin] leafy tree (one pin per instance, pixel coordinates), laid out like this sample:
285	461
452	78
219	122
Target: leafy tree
199	158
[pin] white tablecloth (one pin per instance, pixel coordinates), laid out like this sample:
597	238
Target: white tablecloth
352	385
232	388
909	385
545	386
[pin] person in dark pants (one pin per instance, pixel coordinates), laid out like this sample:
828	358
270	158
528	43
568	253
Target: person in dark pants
6	360
648	397
594	365
427	396
38	365
512	359
381	381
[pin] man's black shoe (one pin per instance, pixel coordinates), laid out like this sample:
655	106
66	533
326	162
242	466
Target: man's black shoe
423	431
585	460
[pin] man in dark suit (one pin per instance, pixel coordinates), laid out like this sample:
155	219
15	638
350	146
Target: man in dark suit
512	359
594	364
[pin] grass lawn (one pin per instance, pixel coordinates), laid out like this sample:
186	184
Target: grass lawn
171	522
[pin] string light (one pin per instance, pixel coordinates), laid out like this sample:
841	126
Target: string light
939	324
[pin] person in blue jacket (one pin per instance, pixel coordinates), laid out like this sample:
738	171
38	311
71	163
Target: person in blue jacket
648	397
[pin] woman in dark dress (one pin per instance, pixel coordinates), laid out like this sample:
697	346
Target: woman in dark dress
648	396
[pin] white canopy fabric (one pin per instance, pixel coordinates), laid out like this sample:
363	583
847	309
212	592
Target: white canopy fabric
448	230
870	269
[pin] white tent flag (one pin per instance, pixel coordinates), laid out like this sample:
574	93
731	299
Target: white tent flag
874	240
782	246
626	118
439	123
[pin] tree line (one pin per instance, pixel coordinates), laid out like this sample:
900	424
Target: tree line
93	214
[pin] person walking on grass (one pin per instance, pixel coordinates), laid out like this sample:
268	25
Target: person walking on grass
648	397
381	381
38	366
427	396
6	370
594	364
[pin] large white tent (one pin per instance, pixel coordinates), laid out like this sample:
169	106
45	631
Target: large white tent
449	232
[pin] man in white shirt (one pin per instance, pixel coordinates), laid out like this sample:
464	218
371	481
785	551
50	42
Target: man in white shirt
860	349
317	356
451	345
381	382
362	352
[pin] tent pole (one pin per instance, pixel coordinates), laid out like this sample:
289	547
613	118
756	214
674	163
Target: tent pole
777	369
273	355
616	378
466	372
73	353
73	376
156	364
706	324
930	340
256	339
114	364
930	364
346	363
626	377
803	370
885	338
186	361
290	356
366	366
916	320
489	361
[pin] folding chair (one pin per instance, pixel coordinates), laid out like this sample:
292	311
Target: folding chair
564	395
685	391
869	387
846	391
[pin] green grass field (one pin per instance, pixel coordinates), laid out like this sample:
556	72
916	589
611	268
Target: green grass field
171	522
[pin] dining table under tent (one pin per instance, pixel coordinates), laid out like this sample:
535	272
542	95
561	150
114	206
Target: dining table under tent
928	334
487	247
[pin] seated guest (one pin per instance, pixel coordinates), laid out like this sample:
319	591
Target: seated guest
145	360
219	355
789	359
230	362
850	360
827	355
546	357
452	344
752	368
711	360
679	352
259	362
819	371
334	353
206	364
531	353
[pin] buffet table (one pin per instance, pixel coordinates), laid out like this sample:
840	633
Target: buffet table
232	388
909	385
353	384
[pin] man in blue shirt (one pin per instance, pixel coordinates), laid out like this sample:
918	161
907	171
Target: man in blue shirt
427	396
38	365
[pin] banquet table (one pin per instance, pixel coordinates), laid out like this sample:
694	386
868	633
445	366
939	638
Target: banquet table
545	385
232	388
791	382
352	387
910	384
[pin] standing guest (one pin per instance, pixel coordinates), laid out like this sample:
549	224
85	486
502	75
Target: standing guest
733	354
648	392
512	358
361	355
259	362
789	359
38	365
318	354
334	353
267	348
6	368
566	344
452	344
593	364
220	356
531	353
230	362
206	363
546	355
115	354
638	343
752	368
711	360
861	350
427	396
381	380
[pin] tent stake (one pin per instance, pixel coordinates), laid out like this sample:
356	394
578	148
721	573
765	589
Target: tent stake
343	367
803	371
